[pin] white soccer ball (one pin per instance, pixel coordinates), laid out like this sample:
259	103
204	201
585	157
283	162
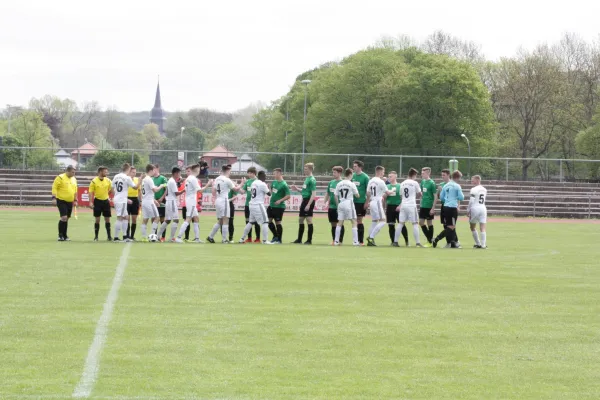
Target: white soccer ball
153	237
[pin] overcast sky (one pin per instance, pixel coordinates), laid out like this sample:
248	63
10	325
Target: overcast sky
224	54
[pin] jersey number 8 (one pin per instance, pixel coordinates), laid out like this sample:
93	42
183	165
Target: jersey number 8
406	192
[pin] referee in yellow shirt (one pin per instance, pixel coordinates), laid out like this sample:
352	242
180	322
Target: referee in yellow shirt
100	188
64	196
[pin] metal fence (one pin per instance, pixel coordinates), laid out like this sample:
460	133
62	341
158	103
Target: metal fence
539	169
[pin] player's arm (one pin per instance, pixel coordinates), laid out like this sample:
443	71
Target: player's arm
313	194
284	198
436	198
75	194
55	186
92	193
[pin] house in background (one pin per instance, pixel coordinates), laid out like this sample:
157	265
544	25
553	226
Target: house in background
218	157
63	159
245	162
84	153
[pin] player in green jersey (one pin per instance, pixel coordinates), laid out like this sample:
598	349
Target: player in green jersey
393	200
331	204
427	212
307	207
361	180
160	196
245	189
280	192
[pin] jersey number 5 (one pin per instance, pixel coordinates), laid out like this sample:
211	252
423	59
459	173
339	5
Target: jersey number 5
481	199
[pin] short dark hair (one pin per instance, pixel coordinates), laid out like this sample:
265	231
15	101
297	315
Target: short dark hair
359	163
278	170
446	171
348	172
262	176
413	172
101	168
456	175
379	168
225	168
338	169
175	170
70	168
193	166
252	170
149	167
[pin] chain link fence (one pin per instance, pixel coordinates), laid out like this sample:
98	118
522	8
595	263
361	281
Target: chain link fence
509	169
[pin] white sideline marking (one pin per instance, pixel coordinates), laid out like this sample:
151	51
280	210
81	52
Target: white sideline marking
92	362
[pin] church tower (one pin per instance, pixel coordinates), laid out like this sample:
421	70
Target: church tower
157	114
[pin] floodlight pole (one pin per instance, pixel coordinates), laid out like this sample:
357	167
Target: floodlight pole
469	146
305	82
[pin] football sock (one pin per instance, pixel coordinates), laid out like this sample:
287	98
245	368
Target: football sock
124	227
174	226
310	232
144	230
337	233
247	230
425	230
404	233
416	233
355	235
476	238
378	228
265	231
133	226
455	235
442	235
128	229
342	234
397	233
392	232
184	228
107	226
257	230
273	229
196	230
61	229
484	239
249	234
430	237
333	232
361	233
96	230
279	231
163	229
372	229
118	227
214	230
300	232
154	226
449	235
231	229
225	234
65	227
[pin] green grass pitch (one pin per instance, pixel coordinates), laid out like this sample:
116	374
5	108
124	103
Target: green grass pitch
518	321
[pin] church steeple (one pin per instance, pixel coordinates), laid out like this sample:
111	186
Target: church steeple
157	114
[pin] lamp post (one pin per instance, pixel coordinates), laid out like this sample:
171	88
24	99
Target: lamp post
469	145
305	82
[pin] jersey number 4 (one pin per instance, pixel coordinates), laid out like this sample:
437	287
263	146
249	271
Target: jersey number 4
219	188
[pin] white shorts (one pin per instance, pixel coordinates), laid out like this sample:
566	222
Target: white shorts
171	210
478	215
149	210
258	214
408	213
346	211
377	211
222	206
121	209
191	212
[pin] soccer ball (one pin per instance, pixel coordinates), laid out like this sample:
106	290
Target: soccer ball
153	237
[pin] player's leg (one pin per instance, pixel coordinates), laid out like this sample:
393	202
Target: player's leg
225	227
263	221
355	241
278	224
423	215
220	210
196	225
483	234
106	213
402	218
249	225
247	216
231	222
62	219
162	214
338	232
360	213
302	216
272	226
430	228
144	227
185	225
97	214
473	226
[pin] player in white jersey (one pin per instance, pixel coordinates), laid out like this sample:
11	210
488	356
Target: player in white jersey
221	187
149	204
192	187
477	212
345	192
376	189
171	206
258	212
121	183
408	208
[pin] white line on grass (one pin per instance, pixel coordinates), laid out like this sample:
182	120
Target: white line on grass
92	362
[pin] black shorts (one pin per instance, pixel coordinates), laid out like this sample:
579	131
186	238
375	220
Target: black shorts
332	214
247	212
450	215
360	209
275	213
231	210
392	216
101	208
64	207
424	213
161	211
134	207
310	211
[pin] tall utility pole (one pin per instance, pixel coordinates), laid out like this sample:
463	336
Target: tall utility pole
287	120
305	82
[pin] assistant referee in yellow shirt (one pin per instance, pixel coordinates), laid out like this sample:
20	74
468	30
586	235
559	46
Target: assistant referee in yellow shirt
100	189
64	196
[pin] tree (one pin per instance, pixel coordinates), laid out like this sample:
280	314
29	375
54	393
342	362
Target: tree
114	159
54	112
